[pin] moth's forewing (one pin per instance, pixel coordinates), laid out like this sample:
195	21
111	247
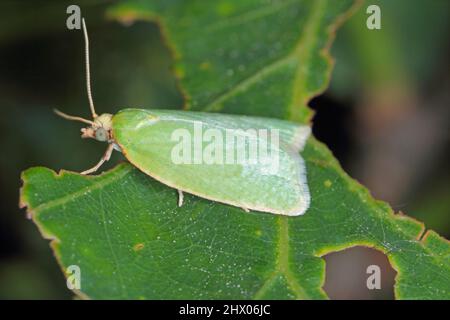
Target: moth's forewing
148	138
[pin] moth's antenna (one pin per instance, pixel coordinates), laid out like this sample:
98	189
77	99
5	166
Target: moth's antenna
88	73
74	118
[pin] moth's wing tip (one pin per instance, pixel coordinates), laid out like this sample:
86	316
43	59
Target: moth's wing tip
301	135
296	213
303	205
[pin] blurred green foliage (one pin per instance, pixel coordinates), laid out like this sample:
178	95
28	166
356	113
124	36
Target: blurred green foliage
407	51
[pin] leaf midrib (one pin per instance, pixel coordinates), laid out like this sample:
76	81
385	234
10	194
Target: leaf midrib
282	266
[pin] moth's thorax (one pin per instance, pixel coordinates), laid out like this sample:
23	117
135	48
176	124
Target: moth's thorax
100	130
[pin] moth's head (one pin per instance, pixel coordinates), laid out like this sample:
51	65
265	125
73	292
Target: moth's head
100	129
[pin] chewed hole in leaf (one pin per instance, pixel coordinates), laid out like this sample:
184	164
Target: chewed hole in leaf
350	272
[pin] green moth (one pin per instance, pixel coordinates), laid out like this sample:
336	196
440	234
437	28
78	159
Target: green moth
249	162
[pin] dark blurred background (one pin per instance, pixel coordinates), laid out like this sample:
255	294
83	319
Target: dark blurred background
385	117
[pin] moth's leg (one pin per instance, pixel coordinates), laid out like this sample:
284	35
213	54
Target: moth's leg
180	198
245	209
105	157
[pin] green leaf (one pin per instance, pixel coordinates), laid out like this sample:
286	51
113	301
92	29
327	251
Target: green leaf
129	238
